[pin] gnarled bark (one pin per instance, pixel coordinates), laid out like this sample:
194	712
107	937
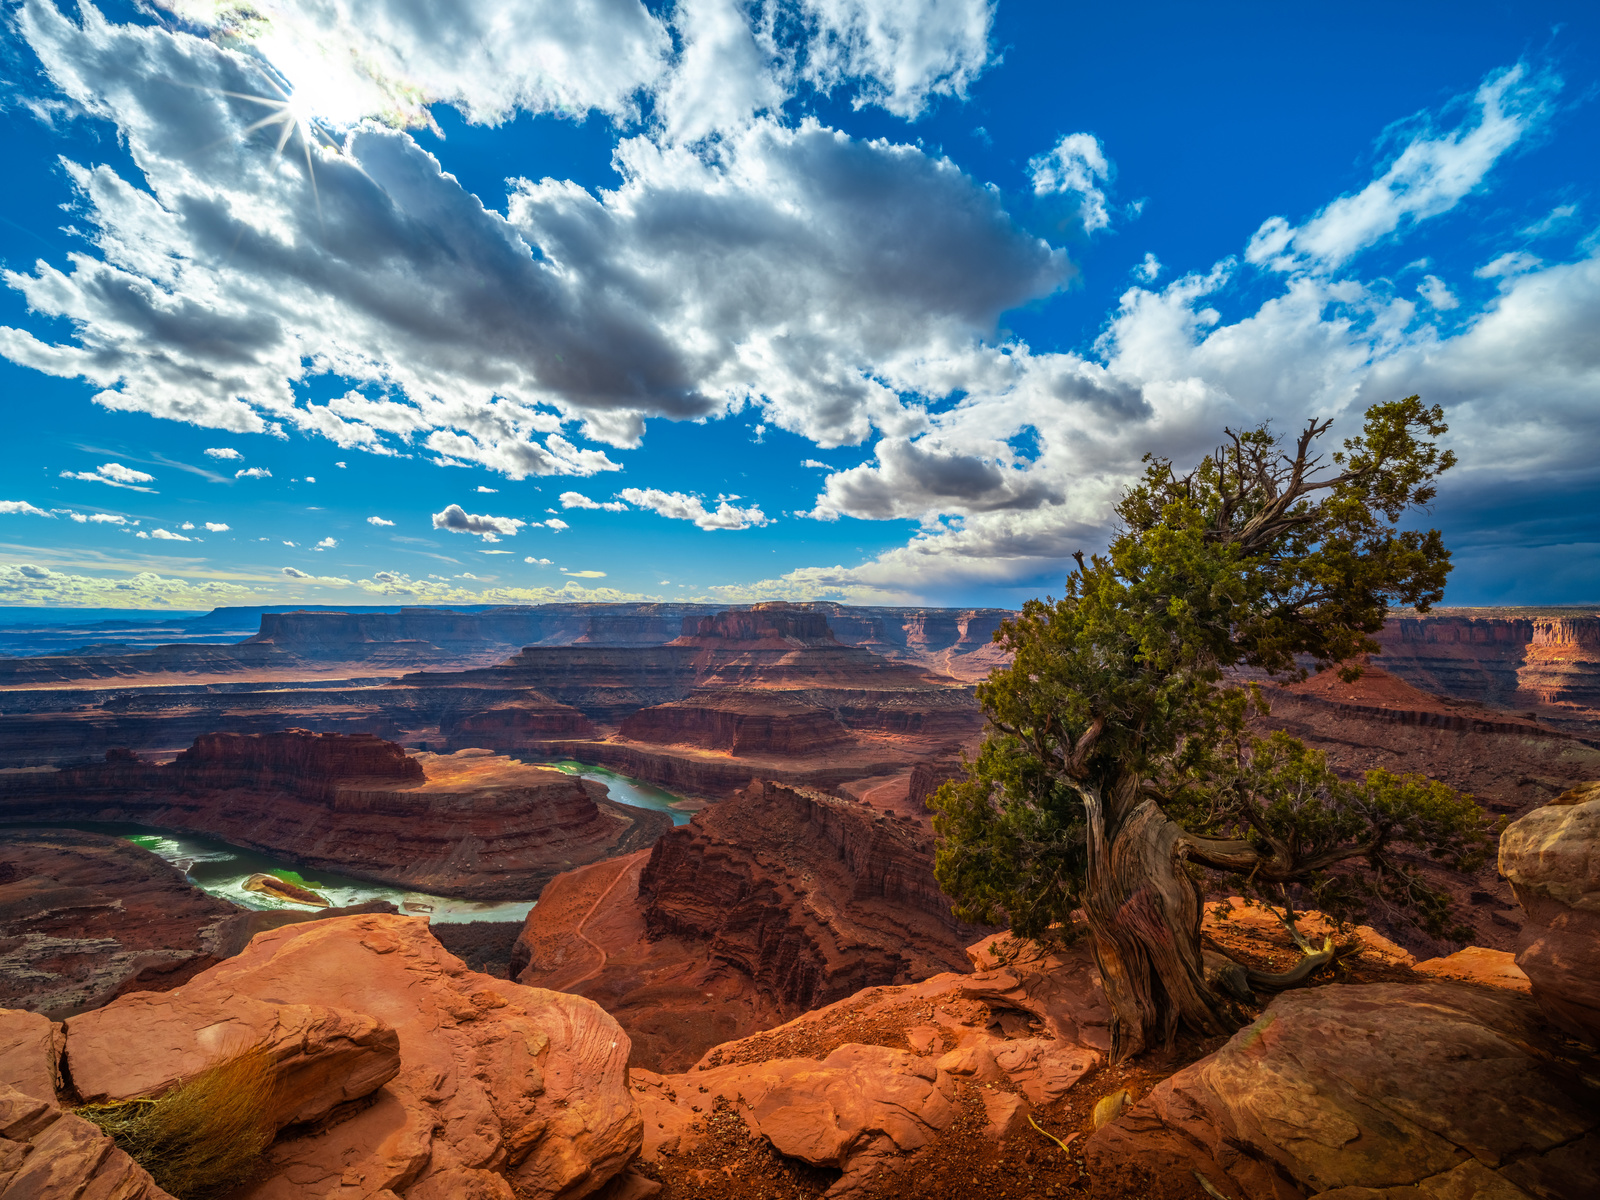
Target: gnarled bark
1143	911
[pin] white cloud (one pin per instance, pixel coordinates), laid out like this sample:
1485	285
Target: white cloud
187	525
1147	270
487	491
1078	165
820	466
1437	293
253	473
289	543
225	452
681	507
1553	221
537	562
165	535
555	523
1517	262
23	507
578	500
311	478
341	465
29	583
114	475
92	518
490	529
217	526
346	60
327	543
378	521
490	334
1434	172
584	574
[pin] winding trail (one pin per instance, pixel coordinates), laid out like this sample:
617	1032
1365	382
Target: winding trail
628	868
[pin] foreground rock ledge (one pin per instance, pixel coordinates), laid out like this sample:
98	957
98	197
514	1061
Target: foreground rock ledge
1400	1091
499	1086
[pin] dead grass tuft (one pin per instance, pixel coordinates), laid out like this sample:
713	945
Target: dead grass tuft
203	1137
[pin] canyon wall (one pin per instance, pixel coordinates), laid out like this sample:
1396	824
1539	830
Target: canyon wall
810	895
478	827
1545	662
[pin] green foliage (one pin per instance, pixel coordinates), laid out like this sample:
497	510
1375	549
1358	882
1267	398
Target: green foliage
204	1137
1258	558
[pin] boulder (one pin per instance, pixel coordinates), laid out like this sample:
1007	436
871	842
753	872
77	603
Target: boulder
494	1079
1353	1090
147	1042
46	1153
1552	858
1475	964
30	1053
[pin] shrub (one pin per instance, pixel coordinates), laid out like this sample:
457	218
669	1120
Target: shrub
204	1136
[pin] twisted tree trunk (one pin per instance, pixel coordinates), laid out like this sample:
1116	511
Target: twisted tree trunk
1144	912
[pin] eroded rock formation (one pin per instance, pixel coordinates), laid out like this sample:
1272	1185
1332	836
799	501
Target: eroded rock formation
1552	858
475	826
769	903
1344	1092
401	1072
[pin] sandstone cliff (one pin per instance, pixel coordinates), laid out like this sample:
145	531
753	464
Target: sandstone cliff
473	826
766	904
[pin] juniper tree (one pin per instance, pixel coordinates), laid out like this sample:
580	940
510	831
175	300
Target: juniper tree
1118	760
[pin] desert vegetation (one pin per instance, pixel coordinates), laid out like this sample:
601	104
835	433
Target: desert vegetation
1119	762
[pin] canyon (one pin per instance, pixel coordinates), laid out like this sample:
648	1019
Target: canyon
473	825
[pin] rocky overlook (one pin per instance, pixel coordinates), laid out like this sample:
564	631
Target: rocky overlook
475	826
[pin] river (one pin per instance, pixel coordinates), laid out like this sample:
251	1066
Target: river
221	869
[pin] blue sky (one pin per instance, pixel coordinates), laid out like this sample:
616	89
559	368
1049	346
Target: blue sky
867	300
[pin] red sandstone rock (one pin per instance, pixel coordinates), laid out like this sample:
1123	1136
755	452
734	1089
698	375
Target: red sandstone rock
812	896
527	1085
872	1110
45	1153
1376	1086
756	722
1488	968
1552	858
466	825
147	1042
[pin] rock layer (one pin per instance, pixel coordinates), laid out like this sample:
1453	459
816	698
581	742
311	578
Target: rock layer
464	825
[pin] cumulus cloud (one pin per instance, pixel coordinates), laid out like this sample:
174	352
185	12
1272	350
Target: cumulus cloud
217	526
1437	293
253	473
95	518
490	529
327	543
378	521
555	523
166	535
1077	164
487	333
1433	173
114	475
224	452
23	507
537	562
487	491
681	507
578	500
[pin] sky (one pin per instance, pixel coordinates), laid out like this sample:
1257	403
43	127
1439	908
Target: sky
878	301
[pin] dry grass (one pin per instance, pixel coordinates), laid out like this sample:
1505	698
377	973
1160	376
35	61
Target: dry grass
203	1137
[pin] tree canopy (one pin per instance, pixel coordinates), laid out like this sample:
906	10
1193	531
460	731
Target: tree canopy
1119	756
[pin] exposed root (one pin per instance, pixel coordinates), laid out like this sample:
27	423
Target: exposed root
1062	1142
